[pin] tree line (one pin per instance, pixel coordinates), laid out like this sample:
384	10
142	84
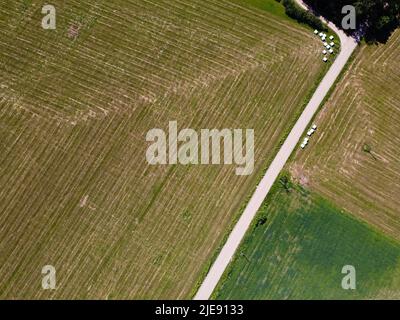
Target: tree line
296	12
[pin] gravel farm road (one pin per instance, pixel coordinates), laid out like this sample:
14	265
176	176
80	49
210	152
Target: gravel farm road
348	45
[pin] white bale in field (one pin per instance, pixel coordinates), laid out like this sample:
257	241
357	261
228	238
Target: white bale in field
331	51
325	59
321	34
314	127
331	37
332	44
328	46
316	31
324	52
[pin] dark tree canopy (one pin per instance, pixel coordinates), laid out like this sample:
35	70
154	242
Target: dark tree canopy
296	12
379	17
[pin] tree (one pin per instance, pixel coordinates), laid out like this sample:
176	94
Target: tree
296	12
285	182
368	149
261	221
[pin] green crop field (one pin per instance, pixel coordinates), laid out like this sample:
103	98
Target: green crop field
298	248
76	103
354	157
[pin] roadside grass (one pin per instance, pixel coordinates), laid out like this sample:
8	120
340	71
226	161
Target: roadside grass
300	248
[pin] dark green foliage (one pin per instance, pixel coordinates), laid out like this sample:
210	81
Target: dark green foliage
261	221
381	17
285	182
297	13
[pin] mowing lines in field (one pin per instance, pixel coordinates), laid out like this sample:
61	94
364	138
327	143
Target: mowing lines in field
73	119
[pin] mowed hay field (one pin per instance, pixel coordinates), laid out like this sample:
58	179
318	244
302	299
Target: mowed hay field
300	250
76	103
364	110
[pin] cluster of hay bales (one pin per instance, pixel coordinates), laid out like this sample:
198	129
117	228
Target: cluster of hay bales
328	47
309	134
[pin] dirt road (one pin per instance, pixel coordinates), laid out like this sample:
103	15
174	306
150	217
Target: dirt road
348	45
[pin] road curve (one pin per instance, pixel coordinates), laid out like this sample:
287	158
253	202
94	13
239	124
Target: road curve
348	45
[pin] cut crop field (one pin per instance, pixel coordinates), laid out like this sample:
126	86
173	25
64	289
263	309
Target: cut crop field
354	158
76	103
297	248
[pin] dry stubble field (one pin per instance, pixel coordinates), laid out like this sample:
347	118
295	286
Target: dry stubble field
363	110
75	105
